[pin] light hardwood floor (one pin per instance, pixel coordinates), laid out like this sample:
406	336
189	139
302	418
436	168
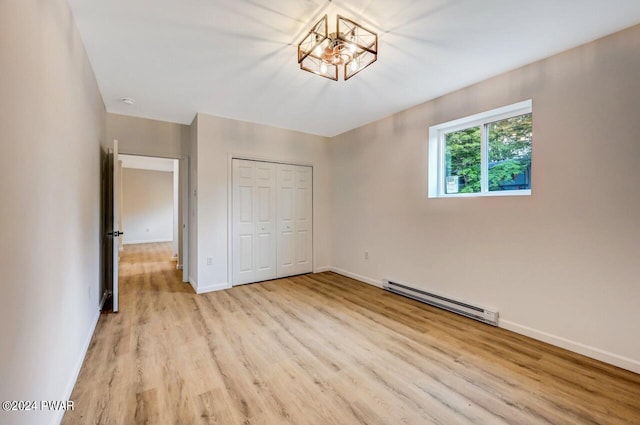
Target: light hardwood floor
323	349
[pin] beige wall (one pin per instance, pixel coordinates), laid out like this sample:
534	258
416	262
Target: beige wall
147	206
217	139
142	136
51	125
561	265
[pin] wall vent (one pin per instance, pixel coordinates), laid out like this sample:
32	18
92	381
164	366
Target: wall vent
474	312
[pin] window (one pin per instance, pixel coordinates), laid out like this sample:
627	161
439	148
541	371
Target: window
487	154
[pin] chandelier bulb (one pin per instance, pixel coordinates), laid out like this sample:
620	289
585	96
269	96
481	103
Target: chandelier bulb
318	50
323	68
354	65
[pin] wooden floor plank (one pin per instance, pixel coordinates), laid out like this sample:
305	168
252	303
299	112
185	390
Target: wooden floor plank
323	349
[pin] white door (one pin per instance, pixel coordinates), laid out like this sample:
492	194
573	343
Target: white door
243	237
295	220
116	219
303	220
265	221
272	221
184	205
253	222
286	221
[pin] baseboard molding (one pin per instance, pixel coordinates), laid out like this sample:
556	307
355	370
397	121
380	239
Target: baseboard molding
178	266
146	241
370	281
322	269
576	347
213	288
59	414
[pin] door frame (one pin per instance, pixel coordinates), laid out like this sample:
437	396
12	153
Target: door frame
274	160
183	170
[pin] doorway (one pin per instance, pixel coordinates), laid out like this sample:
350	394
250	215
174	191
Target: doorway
149	202
146	203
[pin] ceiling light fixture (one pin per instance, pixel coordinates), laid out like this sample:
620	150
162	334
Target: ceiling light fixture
351	47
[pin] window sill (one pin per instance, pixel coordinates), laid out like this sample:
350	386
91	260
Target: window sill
486	194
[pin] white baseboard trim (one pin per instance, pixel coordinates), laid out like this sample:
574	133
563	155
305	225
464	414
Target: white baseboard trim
576	347
322	269
212	288
146	241
178	266
208	288
57	418
370	281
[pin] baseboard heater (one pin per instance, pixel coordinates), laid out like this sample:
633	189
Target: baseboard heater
471	311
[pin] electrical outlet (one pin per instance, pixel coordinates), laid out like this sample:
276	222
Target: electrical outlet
209	261
366	255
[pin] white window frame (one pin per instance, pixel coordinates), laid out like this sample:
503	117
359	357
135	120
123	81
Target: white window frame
437	141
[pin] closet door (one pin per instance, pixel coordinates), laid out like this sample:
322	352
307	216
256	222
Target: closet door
303	220
286	221
265	221
243	216
295	220
253	221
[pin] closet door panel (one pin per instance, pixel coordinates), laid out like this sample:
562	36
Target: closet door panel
286	220
243	221
265	221
304	220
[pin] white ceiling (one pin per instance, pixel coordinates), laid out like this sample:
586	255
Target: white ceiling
237	58
146	163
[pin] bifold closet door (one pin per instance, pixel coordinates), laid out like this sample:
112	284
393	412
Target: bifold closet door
295	220
254	221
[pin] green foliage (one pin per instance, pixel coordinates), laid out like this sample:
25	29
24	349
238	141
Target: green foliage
463	158
509	153
509	149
